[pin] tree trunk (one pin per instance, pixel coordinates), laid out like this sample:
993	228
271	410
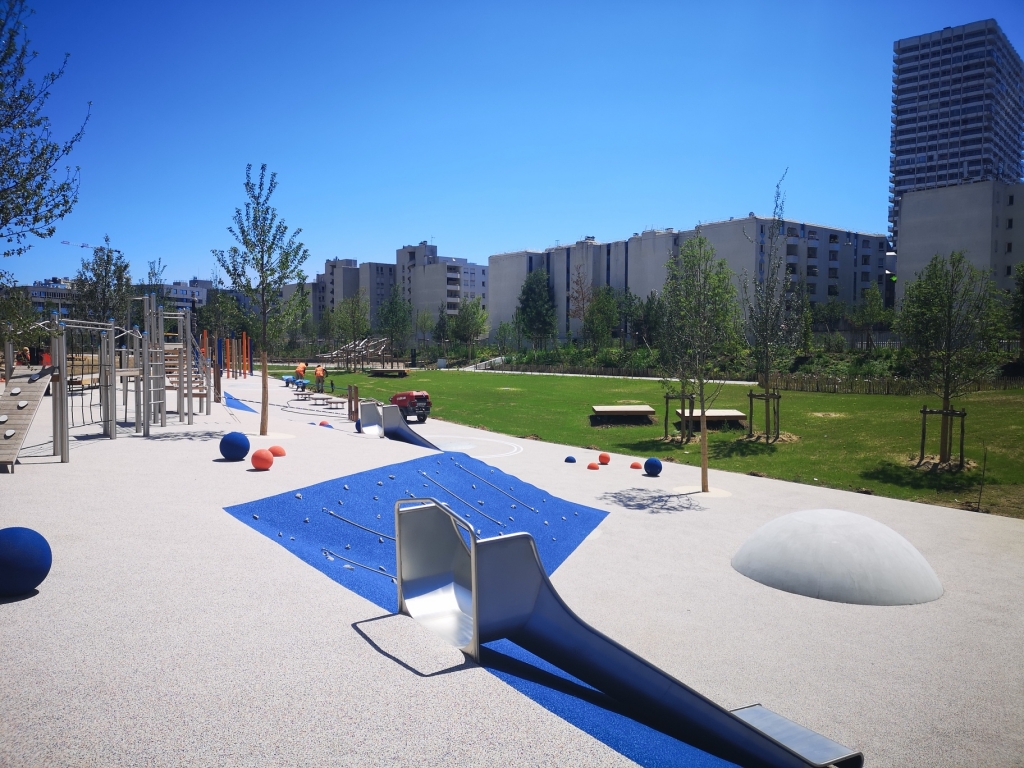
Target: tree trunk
767	409
265	407
944	437
703	449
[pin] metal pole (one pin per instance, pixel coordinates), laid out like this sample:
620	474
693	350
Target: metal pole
8	359
188	360
963	416
137	365
147	393
162	365
924	429
112	380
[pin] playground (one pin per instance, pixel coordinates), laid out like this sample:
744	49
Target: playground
200	611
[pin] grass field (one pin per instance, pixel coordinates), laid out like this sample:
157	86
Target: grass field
850	442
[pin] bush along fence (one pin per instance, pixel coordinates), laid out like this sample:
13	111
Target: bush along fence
881	385
580	370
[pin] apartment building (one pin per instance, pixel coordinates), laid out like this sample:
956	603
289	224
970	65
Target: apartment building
54	294
982	219
833	263
338	281
957	112
429	281
376	279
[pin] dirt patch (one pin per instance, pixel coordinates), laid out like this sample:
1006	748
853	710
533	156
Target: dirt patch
591	447
784	437
830	415
865	491
670	459
485	429
931	463
757	474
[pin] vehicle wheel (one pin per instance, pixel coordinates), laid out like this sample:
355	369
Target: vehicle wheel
421	418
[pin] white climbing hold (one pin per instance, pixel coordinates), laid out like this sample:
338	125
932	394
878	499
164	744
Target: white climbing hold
545	522
380	482
330	558
380	539
474	486
346	487
383	568
306	520
8	434
378	517
22	403
478	501
511	518
255	517
563	517
348	567
375	498
513	506
279	534
15	391
3	419
348	546
391	477
293	538
298	495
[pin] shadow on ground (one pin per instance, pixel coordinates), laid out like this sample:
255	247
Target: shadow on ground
649	500
205	436
730	449
909	477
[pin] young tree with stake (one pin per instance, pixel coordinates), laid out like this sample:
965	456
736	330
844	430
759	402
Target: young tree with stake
704	315
266	258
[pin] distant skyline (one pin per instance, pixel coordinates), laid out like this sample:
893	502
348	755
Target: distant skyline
481	128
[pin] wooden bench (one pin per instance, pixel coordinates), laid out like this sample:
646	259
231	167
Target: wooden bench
621	414
320	399
717	416
334	403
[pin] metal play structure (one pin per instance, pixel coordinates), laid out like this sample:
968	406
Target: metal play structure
103	374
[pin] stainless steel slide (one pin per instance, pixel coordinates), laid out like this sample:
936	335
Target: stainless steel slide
472	591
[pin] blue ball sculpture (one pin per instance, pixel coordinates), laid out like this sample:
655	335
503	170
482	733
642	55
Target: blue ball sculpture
25	560
234	446
359	426
652	467
570	459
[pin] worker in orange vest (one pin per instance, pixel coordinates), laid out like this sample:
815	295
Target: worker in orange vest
300	376
319	374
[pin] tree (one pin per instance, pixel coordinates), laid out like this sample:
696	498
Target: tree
951	322
767	318
870	312
1017	308
581	293
104	286
537	308
32	196
354	317
701	301
649	320
470	323
805	319
394	320
504	337
830	314
155	272
424	325
601	317
266	259
628	305
442	328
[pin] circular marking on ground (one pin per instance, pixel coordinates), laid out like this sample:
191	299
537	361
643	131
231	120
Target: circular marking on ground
694	490
471	446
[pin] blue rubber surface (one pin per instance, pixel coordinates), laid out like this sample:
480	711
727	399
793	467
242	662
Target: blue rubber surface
300	522
234	402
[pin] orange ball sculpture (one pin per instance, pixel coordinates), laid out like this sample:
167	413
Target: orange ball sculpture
325	423
604	458
277	451
636	465
593	465
262	459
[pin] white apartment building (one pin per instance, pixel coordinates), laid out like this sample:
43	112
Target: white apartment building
429	281
833	263
376	279
980	219
338	281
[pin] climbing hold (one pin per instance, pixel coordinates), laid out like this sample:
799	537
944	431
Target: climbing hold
513	506
563	517
545	522
234	446
326	424
298	495
262	459
380	482
380	540
512	518
347	567
306	520
3	419
636	465
391	477
348	546
593	465
255	517
276	450
345	487
375	498
570	459
604	458
378	517
652	467
340	501
8	434
15	391
479	502
279	534
383	568
293	538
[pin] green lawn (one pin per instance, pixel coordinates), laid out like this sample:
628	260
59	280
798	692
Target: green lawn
846	441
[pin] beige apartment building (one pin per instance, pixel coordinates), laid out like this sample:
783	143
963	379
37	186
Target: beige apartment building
981	219
429	281
834	263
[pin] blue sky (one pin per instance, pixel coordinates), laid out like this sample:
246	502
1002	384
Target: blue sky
485	127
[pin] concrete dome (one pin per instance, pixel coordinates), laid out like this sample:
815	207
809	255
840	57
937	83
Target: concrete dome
835	555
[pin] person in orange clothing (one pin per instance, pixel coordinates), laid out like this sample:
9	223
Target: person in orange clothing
300	375
319	374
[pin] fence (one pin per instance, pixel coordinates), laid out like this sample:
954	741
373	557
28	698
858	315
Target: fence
881	385
580	370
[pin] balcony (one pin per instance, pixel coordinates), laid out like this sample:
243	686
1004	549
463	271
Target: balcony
812	242
791	240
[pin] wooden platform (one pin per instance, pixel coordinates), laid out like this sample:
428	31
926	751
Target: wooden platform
715	414
623	410
19	419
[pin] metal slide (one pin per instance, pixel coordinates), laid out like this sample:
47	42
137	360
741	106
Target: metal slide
387	421
472	591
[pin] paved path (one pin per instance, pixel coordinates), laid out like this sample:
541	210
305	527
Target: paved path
170	634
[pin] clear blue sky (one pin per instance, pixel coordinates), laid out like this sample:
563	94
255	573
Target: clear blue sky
486	127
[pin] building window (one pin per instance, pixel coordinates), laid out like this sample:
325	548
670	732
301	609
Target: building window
882	245
1009	199
1009	247
865	260
812	270
833	290
812	252
791	250
833	238
790	231
1009	270
865	277
791	269
812	288
1009	223
833	255
833	273
865	244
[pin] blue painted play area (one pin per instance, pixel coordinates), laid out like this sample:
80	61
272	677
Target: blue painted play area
345	529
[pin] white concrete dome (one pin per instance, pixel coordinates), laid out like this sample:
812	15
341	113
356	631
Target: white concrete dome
834	555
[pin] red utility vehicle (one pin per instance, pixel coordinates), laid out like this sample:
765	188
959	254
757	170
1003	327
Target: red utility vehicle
416	403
